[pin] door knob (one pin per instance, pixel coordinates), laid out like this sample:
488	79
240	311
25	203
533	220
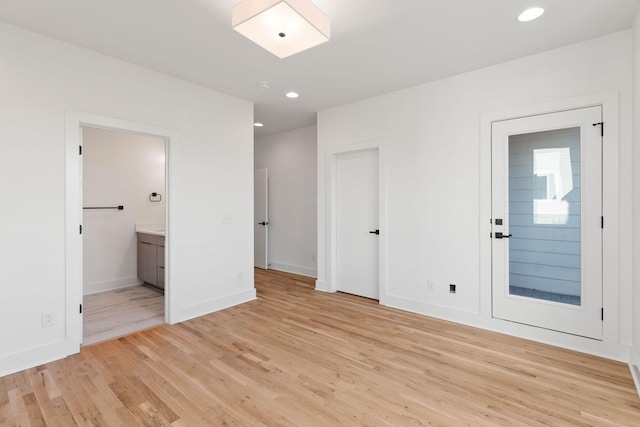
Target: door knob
375	232
500	235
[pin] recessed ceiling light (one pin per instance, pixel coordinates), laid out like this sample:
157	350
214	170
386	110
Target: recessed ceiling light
258	124
292	95
531	14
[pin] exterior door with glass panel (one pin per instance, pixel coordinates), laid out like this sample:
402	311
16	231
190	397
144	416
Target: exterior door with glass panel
547	221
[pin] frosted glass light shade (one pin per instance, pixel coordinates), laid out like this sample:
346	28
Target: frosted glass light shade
283	27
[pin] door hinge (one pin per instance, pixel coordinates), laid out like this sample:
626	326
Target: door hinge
80	151
601	124
80	228
80	308
601	222
602	313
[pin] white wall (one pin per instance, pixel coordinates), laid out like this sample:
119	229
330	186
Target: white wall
290	158
119	168
210	174
430	136
636	190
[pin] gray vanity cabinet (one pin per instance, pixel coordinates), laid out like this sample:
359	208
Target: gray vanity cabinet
151	259
160	263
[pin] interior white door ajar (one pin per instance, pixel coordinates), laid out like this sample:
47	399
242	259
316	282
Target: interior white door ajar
261	218
547	221
357	211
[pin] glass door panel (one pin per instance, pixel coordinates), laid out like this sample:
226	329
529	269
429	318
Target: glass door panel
544	215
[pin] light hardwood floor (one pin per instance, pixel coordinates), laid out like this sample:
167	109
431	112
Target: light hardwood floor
115	313
304	358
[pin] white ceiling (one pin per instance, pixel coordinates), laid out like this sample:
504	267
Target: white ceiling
377	46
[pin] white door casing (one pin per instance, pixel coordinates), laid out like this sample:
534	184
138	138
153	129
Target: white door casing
357	219
584	318
74	120
261	218
81	243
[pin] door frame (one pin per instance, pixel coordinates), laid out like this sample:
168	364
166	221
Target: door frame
610	250
74	120
332	236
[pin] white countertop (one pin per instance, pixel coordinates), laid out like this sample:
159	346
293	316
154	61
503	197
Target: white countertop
155	229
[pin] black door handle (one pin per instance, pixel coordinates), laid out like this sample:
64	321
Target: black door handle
375	232
499	235
263	223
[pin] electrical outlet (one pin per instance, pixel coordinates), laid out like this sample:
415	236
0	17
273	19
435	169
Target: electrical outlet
48	318
227	218
431	287
452	288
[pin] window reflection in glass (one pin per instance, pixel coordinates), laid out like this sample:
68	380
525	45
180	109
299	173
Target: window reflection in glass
553	182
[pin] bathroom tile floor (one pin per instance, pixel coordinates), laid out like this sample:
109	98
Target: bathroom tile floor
120	312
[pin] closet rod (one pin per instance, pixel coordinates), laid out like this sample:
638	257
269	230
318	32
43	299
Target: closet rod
120	207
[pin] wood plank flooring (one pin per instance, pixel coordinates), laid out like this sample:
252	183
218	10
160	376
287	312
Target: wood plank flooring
296	357
120	312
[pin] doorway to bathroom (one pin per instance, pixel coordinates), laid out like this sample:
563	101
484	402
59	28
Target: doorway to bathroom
124	200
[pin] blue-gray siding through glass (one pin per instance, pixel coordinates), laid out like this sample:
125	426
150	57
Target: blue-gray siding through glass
544	215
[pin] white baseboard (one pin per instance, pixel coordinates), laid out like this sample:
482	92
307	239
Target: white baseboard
321	285
37	356
608	350
634	366
295	269
110	285
40	355
207	307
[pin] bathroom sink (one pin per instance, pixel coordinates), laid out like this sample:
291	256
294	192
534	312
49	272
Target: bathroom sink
155	229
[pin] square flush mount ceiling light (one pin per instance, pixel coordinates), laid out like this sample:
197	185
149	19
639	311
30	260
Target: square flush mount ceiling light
283	27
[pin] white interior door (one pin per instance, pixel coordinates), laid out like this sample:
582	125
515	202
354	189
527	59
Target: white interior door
261	218
547	221
357	209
